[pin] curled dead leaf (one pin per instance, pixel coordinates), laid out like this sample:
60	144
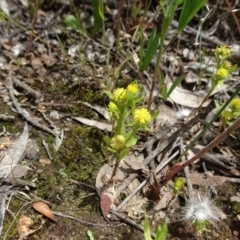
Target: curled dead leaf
44	209
24	225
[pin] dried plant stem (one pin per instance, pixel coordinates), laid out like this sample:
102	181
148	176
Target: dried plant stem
178	167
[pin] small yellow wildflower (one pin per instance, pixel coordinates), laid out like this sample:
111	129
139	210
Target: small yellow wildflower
119	94
118	142
226	116
227	65
222	52
112	106
113	109
221	73
133	89
141	117
235	104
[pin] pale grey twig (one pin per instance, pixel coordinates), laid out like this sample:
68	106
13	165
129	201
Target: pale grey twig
187	175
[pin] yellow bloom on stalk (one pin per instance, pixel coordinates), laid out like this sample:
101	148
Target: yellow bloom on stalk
112	106
227	65
222	52
119	94
113	109
226	116
118	142
235	104
222	73
133	89
141	117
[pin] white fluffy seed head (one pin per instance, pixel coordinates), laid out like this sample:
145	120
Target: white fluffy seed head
183	112
200	209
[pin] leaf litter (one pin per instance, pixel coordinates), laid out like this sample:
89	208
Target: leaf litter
42	68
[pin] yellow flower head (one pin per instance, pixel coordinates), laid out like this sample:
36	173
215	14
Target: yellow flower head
141	117
235	104
133	89
112	106
227	65
221	73
222	52
118	142
226	116
119	95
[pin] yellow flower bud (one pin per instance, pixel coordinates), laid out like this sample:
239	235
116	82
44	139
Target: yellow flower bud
118	142
226	116
235	104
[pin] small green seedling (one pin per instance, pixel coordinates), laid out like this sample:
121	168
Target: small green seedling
161	232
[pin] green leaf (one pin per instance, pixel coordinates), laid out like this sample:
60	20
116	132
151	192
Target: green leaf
147	232
98	14
151	49
123	153
90	235
190	8
131	142
107	140
174	85
161	232
71	21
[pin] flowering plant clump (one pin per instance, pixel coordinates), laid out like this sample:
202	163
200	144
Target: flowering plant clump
127	118
201	212
231	113
223	68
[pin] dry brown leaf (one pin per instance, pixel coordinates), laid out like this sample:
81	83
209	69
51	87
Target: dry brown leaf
105	203
48	60
45	161
44	209
36	63
24	226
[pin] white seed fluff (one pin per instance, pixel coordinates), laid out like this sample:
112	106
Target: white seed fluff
183	112
200	209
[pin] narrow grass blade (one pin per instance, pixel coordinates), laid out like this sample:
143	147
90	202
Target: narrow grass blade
190	8
151	49
98	14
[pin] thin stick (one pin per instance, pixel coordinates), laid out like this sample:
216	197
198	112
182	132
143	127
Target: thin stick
178	167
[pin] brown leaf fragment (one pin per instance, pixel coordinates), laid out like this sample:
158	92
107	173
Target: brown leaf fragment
24	226
49	61
36	63
44	209
105	203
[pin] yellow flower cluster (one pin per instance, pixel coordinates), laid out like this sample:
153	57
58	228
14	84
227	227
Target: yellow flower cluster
227	65
222	73
118	142
235	104
119	94
141	117
222	52
133	89
226	116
